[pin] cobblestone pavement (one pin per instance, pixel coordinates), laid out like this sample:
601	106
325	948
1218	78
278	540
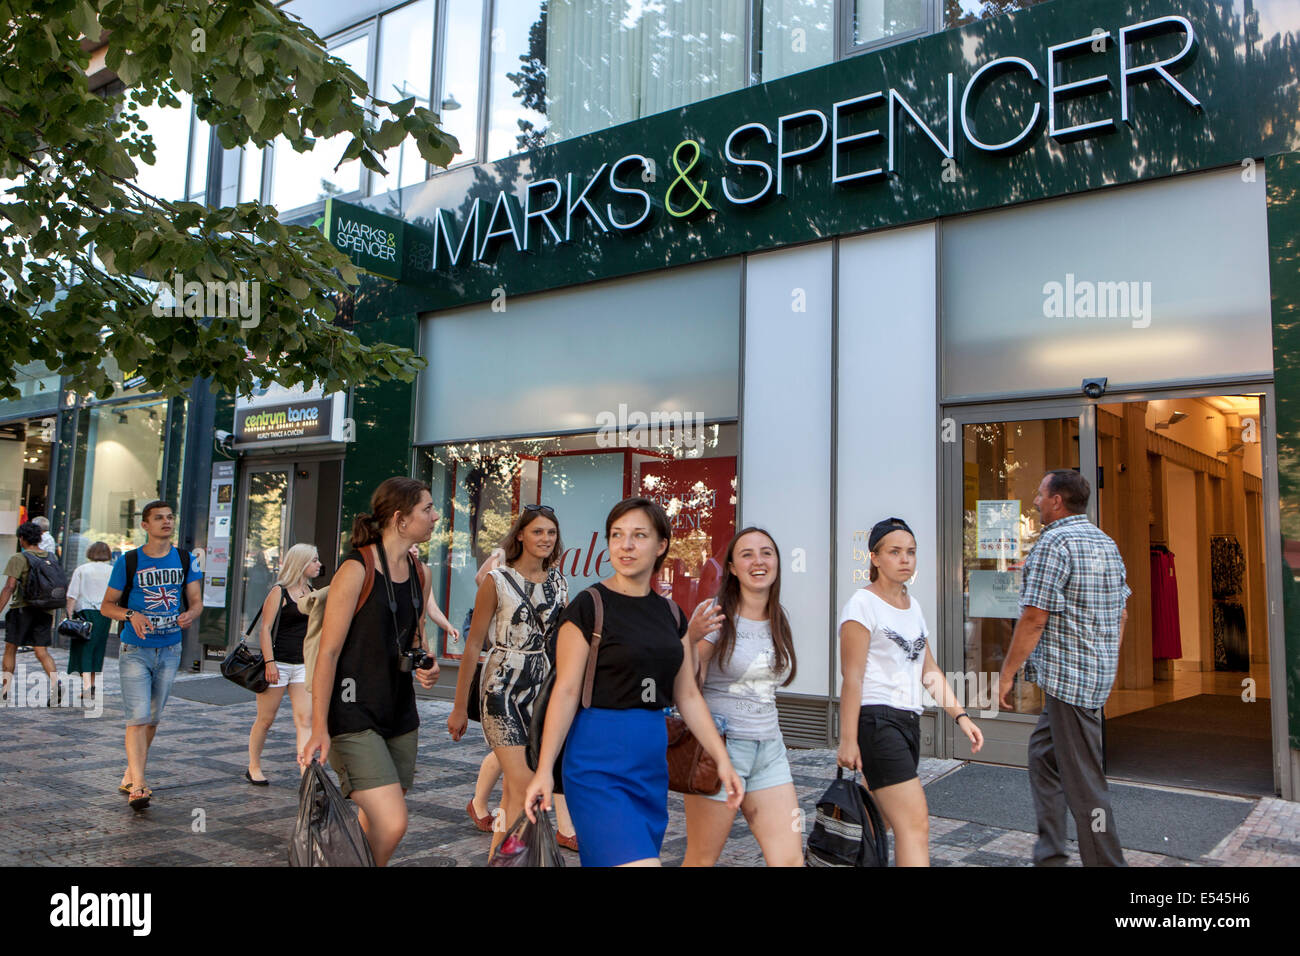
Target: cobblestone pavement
60	804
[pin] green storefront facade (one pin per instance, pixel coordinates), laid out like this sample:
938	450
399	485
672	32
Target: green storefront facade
882	285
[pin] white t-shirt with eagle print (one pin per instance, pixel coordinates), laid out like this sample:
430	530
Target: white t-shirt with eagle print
896	652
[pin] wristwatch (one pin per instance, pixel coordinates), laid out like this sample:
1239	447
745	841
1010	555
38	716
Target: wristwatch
128	616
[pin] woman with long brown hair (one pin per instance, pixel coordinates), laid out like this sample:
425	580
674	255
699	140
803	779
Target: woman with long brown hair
363	701
521	603
741	663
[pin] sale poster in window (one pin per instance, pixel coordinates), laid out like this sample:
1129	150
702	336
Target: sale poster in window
700	497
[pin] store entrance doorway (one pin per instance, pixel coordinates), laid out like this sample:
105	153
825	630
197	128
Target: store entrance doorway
282	503
1181	491
25	459
1180	484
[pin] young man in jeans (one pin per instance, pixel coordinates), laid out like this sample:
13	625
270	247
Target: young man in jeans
25	625
164	598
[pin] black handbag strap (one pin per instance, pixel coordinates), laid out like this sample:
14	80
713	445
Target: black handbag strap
275	625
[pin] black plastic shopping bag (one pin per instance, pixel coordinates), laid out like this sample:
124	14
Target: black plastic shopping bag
328	832
529	844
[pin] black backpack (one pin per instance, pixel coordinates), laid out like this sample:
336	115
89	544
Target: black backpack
46	585
132	559
849	830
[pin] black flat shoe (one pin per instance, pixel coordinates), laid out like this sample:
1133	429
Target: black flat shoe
257	783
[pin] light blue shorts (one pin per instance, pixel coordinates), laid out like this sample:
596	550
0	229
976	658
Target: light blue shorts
759	763
146	675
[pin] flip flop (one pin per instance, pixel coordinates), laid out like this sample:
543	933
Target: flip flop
142	801
124	788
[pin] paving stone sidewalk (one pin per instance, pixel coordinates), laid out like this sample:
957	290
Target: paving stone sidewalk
60	804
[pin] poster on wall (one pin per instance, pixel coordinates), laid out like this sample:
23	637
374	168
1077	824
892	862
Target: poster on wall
998	528
993	594
216	569
699	496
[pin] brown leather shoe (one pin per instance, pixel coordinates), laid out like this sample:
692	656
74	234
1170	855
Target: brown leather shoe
483	823
568	842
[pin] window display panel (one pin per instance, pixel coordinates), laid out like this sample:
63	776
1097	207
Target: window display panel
116	472
1002	465
480	487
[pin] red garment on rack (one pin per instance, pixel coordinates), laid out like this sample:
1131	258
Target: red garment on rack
1166	639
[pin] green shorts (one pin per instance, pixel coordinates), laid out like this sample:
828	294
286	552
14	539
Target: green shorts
364	760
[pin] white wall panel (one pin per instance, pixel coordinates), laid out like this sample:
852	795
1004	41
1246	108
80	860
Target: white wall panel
888	429
786	437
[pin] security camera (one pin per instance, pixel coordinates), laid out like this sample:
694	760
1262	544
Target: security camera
1094	387
225	440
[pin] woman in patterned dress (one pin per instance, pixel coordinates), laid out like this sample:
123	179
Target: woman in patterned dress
521	603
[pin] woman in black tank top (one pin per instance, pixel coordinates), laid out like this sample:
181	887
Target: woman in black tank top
283	628
363	702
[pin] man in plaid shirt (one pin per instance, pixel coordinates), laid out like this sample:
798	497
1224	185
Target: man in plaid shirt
1072	614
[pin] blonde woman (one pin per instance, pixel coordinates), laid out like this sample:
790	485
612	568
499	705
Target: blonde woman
281	636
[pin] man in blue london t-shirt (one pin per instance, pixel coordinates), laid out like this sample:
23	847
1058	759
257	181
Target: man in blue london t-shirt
163	598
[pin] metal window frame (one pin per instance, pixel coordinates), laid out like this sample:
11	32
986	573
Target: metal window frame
845	47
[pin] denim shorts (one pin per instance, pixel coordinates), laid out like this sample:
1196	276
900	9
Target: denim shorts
290	674
760	764
146	675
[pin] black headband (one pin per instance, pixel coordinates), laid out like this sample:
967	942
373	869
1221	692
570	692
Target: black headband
882	528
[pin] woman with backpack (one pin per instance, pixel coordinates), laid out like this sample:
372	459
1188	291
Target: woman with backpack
742	662
521	603
885	661
613	730
363	701
281	635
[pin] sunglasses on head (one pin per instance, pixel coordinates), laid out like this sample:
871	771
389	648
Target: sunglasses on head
544	509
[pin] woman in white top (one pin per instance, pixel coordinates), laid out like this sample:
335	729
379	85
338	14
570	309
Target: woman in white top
885	659
748	653
85	595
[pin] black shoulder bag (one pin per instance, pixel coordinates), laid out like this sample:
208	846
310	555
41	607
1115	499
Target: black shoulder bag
245	667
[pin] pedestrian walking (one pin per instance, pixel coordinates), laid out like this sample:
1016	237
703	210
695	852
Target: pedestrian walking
519	604
155	592
1073	597
86	593
742	661
886	663
29	621
364	719
615	768
283	628
47	539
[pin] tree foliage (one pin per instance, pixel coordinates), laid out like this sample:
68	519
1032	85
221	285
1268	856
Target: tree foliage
82	247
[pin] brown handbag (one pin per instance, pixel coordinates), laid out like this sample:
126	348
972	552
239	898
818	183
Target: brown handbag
690	768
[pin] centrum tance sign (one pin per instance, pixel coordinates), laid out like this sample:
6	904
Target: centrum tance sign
276	416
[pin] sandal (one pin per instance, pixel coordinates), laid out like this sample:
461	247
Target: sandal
141	801
124	788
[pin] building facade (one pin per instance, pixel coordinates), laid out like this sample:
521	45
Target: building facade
806	265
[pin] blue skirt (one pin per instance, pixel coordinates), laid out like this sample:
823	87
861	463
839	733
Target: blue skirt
616	784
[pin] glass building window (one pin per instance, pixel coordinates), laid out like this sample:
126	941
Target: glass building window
479	487
300	179
793	35
880	21
118	470
462	56
250	174
958	13
405	70
170	128
562	68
